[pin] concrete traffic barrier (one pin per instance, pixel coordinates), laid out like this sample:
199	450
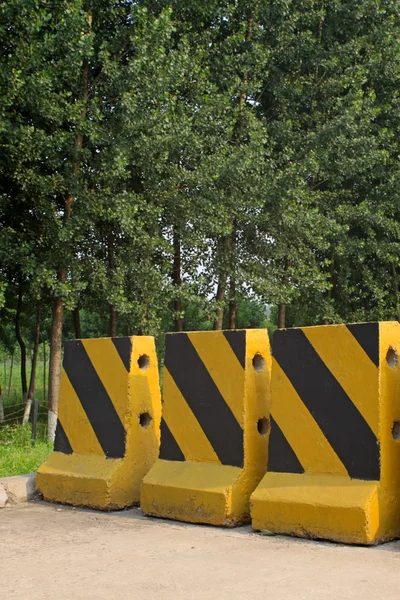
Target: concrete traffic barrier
215	427
334	449
108	428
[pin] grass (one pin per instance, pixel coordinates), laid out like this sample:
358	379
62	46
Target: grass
15	388
16	453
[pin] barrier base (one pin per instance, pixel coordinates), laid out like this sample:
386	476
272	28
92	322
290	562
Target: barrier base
92	481
196	492
318	506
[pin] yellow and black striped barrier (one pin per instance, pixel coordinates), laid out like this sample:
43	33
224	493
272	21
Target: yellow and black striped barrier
215	427
108	427
334	456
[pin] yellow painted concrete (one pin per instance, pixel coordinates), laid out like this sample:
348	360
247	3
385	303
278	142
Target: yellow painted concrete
323	504
87	477
389	414
74	420
200	490
302	432
361	383
78	479
184	426
317	506
224	368
191	491
111	370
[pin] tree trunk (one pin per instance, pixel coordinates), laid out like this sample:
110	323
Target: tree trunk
111	266
176	280
232	314
5	369
281	316
77	323
223	276
27	411
330	291
282	306
232	304
395	291
113	322
11	372
220	296
44	372
55	359
232	283
21	344
58	307
1	406
32	381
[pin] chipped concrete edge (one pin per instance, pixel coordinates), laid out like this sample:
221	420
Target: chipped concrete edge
17	489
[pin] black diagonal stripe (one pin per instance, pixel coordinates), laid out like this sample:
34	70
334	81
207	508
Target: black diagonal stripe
61	442
204	398
341	423
169	449
281	456
237	341
94	399
124	349
367	335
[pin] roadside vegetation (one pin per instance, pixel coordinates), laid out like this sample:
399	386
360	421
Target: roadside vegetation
17	456
171	165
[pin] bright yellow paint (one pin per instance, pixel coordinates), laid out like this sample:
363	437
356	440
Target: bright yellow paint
317	506
335	507
78	479
225	369
184	426
310	445
111	370
201	491
74	420
389	498
339	351
257	403
87	479
142	443
190	491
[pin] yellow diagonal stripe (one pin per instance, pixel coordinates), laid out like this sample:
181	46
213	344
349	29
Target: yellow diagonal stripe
300	429
111	371
351	367
75	422
183	425
225	369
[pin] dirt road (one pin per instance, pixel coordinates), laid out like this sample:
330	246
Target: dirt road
49	552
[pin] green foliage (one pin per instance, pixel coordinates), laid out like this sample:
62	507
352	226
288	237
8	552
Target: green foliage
176	158
16	453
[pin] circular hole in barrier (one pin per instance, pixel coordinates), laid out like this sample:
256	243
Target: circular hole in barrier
392	358
143	362
258	362
263	426
396	431
145	419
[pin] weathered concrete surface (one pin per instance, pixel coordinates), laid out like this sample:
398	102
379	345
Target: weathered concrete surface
16	489
213	452
335	388
58	552
108	428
